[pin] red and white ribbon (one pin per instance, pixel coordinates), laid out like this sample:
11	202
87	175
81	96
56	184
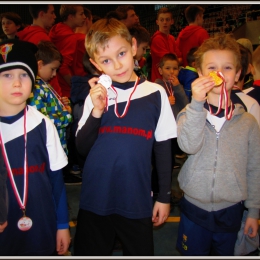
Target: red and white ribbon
22	203
223	92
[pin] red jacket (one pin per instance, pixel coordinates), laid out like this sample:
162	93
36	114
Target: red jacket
66	42
161	44
191	36
35	34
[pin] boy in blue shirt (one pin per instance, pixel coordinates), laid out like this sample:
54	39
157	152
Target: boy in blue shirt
34	158
120	125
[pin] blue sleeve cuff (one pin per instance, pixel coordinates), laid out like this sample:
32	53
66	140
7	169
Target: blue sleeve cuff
63	226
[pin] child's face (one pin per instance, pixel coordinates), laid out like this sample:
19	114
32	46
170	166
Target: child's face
141	50
9	27
48	71
169	69
164	22
49	17
223	61
116	60
79	18
15	88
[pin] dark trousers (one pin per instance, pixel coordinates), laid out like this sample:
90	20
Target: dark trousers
95	235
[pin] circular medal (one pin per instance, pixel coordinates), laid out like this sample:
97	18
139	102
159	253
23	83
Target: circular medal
24	223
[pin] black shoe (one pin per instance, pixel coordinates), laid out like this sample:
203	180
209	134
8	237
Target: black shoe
72	179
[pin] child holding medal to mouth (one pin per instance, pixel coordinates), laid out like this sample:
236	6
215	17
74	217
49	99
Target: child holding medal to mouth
123	118
220	178
37	204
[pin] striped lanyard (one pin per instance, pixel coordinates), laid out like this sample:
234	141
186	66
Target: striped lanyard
22	203
128	101
169	89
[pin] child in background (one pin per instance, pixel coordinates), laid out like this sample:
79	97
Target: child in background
254	91
162	41
169	70
237	95
221	174
44	98
38	223
11	24
142	37
248	79
117	133
188	74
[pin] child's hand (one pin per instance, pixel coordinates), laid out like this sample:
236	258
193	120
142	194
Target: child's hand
67	108
175	81
3	226
201	86
62	241
65	101
172	100
161	212
98	94
253	224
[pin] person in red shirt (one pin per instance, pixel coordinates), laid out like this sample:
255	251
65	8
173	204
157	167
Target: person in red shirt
162	41
63	36
43	18
193	35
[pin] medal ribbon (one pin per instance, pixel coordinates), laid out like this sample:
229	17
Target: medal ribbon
54	92
128	101
223	92
21	203
170	91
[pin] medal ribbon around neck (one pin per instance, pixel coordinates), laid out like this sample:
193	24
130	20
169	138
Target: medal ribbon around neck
128	101
170	91
223	92
22	203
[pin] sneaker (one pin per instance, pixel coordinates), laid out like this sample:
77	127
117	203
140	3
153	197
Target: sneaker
75	169
72	179
181	156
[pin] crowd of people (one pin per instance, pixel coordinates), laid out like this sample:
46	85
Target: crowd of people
83	102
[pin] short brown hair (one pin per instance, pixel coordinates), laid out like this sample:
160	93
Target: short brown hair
140	34
123	10
66	10
102	31
221	41
13	17
47	52
192	11
168	56
164	10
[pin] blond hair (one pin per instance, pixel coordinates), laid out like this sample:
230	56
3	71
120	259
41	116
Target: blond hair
221	41
102	31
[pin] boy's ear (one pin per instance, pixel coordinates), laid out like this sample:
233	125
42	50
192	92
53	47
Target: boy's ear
250	68
95	64
160	70
40	64
199	72
237	75
134	46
